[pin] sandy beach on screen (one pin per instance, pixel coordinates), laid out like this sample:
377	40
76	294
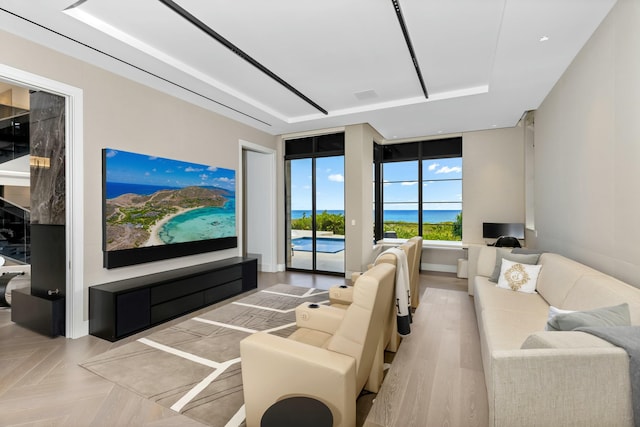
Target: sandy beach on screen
154	238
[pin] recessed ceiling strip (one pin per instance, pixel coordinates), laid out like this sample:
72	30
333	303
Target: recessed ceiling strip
235	49
133	66
407	39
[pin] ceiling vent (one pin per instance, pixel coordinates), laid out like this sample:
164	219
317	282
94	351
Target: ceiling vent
366	94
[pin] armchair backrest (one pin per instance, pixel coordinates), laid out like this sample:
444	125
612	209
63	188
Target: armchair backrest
414	271
417	255
359	332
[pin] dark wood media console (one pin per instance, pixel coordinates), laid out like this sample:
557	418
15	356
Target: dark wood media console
122	308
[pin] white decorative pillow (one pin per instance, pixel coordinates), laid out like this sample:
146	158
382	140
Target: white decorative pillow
518	277
553	312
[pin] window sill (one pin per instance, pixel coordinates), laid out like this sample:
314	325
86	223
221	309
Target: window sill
430	244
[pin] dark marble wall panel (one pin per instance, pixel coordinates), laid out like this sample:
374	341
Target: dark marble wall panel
47	134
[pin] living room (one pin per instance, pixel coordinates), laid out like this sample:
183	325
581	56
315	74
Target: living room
570	176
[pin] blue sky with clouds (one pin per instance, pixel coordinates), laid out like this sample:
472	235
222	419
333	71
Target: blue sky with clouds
329	184
401	184
440	184
132	168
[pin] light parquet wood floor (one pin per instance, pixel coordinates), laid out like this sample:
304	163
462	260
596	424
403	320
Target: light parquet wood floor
436	378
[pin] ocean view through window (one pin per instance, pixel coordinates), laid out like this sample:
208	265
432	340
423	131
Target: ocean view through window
418	189
314	204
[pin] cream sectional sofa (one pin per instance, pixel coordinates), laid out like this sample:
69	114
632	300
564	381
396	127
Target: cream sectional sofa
541	378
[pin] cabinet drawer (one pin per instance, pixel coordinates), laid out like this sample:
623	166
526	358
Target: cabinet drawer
189	285
222	292
176	307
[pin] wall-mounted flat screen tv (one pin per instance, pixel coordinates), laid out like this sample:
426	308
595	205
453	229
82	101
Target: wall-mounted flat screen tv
156	208
493	230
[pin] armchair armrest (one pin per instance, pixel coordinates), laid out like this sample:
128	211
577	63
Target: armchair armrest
341	295
274	367
321	318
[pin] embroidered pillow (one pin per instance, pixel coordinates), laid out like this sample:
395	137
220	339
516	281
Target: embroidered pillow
502	253
518	277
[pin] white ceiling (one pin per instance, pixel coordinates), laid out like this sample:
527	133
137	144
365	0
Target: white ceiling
482	60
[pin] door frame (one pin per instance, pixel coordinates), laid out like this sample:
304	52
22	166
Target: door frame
314	211
75	324
269	262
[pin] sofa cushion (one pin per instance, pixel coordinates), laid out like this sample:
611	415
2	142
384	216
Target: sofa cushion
502	253
617	315
600	290
518	277
557	277
491	297
507	329
486	261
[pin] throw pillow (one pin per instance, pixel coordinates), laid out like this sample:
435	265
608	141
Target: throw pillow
617	315
518	277
553	312
507	254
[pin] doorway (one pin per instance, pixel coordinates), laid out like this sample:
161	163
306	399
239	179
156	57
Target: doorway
258	200
75	323
315	214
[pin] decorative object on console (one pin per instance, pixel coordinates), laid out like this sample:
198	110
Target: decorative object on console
156	208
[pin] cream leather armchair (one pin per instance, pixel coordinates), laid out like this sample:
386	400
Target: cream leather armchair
414	271
341	296
328	358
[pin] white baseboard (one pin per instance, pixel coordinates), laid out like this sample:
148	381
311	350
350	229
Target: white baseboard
268	268
441	268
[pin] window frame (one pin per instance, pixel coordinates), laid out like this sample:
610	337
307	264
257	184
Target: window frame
420	151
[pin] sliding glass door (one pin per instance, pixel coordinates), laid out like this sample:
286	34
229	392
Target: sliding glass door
315	219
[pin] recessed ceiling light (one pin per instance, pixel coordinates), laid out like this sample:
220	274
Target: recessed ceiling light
439	131
543	38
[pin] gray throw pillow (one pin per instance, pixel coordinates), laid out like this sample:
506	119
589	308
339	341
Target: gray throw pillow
617	315
507	254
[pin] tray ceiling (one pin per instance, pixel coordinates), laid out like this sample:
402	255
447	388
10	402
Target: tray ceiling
482	61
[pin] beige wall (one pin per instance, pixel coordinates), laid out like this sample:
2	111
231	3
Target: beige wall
359	196
587	152
122	114
493	179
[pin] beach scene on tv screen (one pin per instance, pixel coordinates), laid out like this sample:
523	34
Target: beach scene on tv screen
152	201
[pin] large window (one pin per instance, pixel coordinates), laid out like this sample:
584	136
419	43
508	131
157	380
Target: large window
418	190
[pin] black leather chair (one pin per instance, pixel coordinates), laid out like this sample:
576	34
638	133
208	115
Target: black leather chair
507	242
